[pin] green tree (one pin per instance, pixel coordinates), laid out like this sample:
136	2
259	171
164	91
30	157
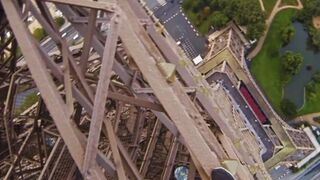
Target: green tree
255	30
28	102
187	4
206	10
311	90
291	63
245	12
288	108
218	4
219	20
316	77
229	7
59	21
39	33
312	86
315	37
287	34
249	12
311	9
196	6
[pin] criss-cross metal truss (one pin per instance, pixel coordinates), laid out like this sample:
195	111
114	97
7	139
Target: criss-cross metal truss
114	109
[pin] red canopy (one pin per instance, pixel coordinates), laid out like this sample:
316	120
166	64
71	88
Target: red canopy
252	103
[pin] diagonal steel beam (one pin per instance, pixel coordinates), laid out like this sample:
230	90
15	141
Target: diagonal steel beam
55	69
150	149
18	157
67	79
208	103
137	131
120	70
89	107
127	159
99	105
49	158
106	6
195	143
62	42
128	7
170	160
186	75
114	148
8	105
63	48
99	20
135	101
44	83
88	40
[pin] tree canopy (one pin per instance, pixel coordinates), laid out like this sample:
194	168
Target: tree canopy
59	21
291	63
311	89
245	12
316	77
313	86
39	33
311	9
315	37
219	19
288	108
287	34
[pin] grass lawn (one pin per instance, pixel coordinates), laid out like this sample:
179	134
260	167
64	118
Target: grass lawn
268	5
289	2
313	105
28	102
266	66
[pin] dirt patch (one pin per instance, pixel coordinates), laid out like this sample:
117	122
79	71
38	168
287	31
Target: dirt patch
316	22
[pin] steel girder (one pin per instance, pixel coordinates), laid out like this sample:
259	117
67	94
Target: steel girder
137	68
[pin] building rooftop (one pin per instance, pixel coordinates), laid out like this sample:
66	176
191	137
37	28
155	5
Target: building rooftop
227	46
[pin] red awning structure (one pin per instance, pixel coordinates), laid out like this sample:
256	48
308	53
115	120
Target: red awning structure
252	103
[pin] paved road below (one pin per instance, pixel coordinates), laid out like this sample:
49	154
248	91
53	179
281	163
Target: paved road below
48	45
282	172
180	28
312	171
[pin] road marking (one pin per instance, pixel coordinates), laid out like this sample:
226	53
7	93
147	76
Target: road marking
163	3
170	18
186	44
